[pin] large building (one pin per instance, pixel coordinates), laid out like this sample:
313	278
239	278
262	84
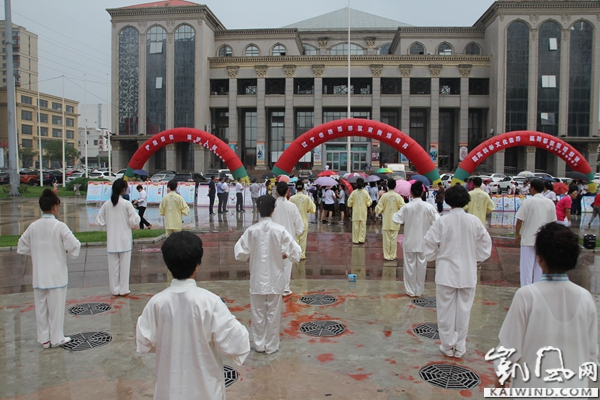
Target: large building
25	57
523	65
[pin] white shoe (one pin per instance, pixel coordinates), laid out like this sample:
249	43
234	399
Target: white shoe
448	353
46	345
459	354
287	292
64	341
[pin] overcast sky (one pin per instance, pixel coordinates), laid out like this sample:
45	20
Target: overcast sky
74	35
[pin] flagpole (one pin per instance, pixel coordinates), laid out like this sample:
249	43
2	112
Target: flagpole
85	124
63	133
13	155
40	139
348	115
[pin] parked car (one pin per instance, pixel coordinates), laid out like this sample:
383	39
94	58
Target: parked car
221	173
544	176
120	173
190	177
50	176
4	177
164	177
29	177
74	176
502	186
497	177
111	176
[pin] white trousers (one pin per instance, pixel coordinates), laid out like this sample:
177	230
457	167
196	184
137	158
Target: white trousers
50	314
266	317
287	271
415	268
453	313
531	271
119	265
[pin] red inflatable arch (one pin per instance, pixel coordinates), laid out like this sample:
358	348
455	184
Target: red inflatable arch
522	138
187	135
357	127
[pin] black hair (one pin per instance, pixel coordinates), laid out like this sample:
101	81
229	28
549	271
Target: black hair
117	189
391	183
48	200
416	189
299	185
572	189
477	181
360	183
182	252
372	184
457	196
138	187
172	185
282	188
558	246
548	185
538	185
253	180
266	205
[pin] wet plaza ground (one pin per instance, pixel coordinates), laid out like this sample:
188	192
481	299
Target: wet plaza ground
380	355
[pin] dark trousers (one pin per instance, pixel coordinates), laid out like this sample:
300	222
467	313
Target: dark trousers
440	207
211	203
143	221
222	202
239	204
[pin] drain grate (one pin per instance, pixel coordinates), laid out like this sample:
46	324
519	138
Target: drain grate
322	328
449	376
430	331
426	302
231	375
87	340
89	309
318	299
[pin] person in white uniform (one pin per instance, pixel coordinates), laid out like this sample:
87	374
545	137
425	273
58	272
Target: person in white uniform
417	216
265	245
287	214
305	206
49	242
457	242
189	329
552	312
389	204
534	213
119	216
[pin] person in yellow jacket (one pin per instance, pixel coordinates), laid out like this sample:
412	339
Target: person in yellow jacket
360	201
388	205
173	207
305	205
481	203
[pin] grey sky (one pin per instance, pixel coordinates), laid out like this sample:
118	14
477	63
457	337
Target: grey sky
75	34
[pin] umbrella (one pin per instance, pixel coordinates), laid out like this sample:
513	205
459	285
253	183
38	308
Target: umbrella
283	178
312	176
421	179
382	176
327	172
357	175
526	174
596	181
326	181
348	186
373	178
560	188
577	175
141	172
268	175
384	171
294	179
402	188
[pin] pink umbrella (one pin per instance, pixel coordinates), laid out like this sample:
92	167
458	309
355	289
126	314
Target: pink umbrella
402	187
283	178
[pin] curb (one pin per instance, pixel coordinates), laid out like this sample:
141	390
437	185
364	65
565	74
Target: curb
96	244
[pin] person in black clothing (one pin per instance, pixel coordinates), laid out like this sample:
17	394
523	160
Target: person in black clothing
212	192
439	197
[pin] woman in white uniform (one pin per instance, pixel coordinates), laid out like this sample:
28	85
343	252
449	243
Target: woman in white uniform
119	216
49	242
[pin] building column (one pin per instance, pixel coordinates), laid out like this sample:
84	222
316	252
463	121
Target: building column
169	82
560	167
171	157
499	161
290	72
142	85
463	119
434	117
261	117
234	132
117	158
371	45
532	98
530	158
199	158
319	151
563	111
375	152
405	100
322	46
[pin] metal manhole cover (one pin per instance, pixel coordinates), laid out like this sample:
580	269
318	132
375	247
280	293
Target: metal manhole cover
231	375
428	330
88	309
426	302
322	328
449	376
87	340
318	299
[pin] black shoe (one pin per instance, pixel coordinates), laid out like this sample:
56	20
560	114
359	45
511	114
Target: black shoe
211	213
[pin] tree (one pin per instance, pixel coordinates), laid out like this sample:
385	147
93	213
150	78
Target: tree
27	155
53	151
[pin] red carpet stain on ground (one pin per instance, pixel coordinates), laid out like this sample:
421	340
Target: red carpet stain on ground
26	309
359	377
325	357
226	299
139	296
387	333
293	306
465	393
506	308
239	308
490	303
360	345
395	296
393	362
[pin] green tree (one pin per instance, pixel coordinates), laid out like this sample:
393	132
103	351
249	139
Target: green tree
53	151
27	155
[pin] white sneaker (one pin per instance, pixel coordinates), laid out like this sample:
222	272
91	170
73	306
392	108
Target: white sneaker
448	353
64	341
459	354
46	345
287	292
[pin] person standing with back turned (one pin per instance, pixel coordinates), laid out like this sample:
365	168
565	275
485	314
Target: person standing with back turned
481	203
305	205
360	201
388	205
173	208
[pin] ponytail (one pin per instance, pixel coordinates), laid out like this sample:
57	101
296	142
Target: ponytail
117	188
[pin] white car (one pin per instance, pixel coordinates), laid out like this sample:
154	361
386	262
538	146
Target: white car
103	175
497	177
120	173
162	177
74	176
502	186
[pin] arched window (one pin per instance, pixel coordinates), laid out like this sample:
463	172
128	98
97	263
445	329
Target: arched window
310	50
278	50
445	49
472	49
252	51
417	48
225	51
385	49
342	50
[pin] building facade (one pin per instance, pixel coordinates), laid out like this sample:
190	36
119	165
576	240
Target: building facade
98	147
25	57
523	65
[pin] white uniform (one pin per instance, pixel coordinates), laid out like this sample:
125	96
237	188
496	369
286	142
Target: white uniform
263	245
534	212
559	314
119	242
189	329
457	241
49	241
288	215
417	217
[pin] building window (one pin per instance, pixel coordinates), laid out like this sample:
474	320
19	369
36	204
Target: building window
420	85
225	51
517	76
472	49
70	109
418	126
548	81
219	87
548	97
547	119
57	133
580	79
385	49
43	118
156	70
43	131
417	48
26	115
252	51
247	87
304	86
250	129
339	86
278	50
184	78
331	115
552	44
388	154
449	86
56	120
391	85
27	129
70	122
276	135
275	86
26	100
27	143
95	142
56	106
70	134
342	50
479	86
128	81
305	121
43	103
445	49
310	50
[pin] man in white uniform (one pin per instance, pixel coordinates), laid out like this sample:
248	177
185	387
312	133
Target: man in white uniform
531	216
305	206
266	245
189	329
287	215
457	242
417	216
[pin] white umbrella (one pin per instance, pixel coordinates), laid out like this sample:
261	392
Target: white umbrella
526	174
325	181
